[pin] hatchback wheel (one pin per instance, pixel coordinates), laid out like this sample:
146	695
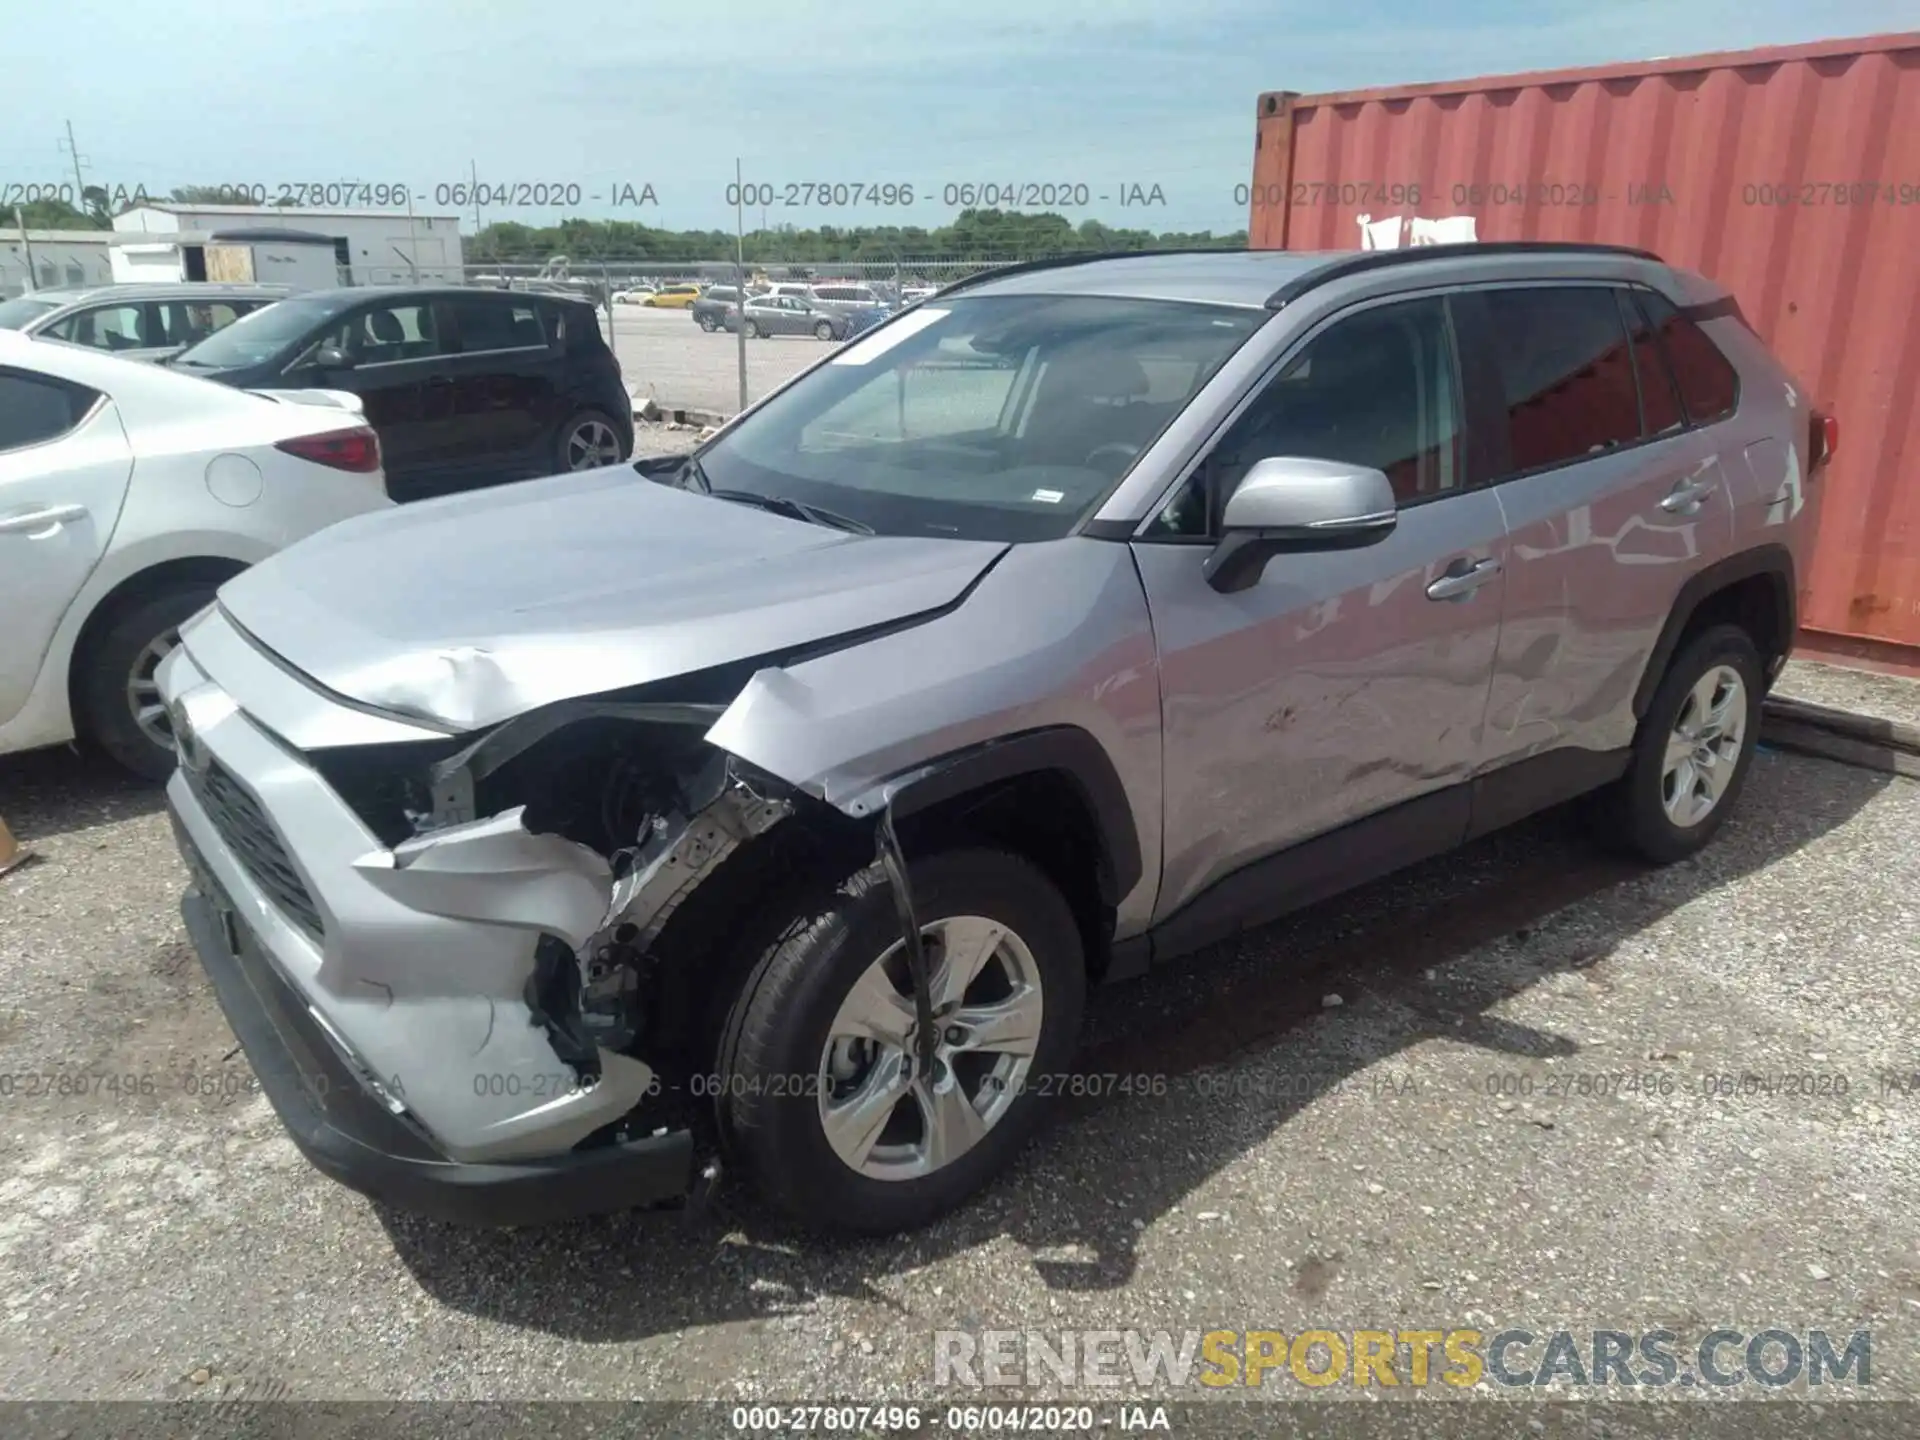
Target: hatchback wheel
588	441
1693	749
706	324
824	1098
115	690
823	331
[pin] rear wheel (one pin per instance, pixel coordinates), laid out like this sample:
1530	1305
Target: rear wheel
117	696
821	1098
589	441
1692	752
707	324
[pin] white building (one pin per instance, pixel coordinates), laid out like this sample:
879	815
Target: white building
303	259
371	247
61	258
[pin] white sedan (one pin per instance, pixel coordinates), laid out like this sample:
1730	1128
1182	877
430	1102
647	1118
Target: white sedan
128	494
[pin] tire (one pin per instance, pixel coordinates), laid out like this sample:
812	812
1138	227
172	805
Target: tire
823	331
778	1069
588	440
706	324
753	330
1635	813
116	672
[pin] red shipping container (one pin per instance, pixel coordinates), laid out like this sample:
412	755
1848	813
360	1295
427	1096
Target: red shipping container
1790	175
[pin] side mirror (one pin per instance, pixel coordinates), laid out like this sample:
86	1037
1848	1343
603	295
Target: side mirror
1287	505
332	357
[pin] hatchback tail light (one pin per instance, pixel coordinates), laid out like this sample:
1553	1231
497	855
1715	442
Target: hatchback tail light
357	449
1825	440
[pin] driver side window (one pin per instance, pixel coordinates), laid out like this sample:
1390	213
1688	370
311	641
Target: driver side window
1377	389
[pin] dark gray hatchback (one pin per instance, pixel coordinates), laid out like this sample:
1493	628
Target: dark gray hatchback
465	387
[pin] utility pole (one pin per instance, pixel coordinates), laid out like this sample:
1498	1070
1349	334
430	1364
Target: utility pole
26	244
740	261
473	170
79	184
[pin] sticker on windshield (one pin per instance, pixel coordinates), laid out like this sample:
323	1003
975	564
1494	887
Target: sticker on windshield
884	339
1051	497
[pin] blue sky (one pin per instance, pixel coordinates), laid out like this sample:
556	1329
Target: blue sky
595	93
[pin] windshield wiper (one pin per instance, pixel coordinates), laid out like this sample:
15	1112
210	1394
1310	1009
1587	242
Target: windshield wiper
793	510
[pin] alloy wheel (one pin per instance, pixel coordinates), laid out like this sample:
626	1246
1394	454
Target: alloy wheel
1704	749
143	689
883	1119
592	443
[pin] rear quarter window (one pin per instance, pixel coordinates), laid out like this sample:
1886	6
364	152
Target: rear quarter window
1709	385
37	408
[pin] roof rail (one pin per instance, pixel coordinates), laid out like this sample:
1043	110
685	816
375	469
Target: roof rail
1057	262
1381	259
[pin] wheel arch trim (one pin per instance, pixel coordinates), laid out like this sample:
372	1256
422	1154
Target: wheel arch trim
1066	750
1773	562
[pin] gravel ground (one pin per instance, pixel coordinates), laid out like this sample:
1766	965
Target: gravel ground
667	358
1307	1164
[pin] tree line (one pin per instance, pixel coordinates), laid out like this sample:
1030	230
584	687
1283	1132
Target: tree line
978	234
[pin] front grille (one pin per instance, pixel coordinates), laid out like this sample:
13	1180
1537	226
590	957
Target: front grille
255	844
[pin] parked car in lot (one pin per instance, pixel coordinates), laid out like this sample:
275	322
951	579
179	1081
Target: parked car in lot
466	387
765	315
785	809
847	299
127	494
672	297
632	295
137	322
710	310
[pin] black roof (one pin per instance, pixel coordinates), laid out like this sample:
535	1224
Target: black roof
350	295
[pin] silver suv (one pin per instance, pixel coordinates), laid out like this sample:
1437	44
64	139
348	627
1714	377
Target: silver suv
779	803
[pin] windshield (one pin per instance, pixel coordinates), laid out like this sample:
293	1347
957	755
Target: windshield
256	337
992	418
16	314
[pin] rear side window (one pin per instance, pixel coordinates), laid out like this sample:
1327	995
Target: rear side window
107	327
36	408
495	325
1566	371
1709	385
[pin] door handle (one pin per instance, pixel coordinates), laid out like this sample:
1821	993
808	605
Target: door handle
1462	579
1687	496
41	519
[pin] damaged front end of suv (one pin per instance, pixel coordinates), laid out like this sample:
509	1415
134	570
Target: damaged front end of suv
514	961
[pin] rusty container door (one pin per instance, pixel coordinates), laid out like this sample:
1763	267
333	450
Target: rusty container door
1790	175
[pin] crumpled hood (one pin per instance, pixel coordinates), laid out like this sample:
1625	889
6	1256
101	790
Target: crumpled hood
475	608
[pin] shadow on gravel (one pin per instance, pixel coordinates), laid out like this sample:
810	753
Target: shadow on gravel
1402	940
60	791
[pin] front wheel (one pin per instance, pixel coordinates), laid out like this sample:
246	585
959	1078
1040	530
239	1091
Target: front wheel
821	1098
753	330
1692	752
706	324
823	331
